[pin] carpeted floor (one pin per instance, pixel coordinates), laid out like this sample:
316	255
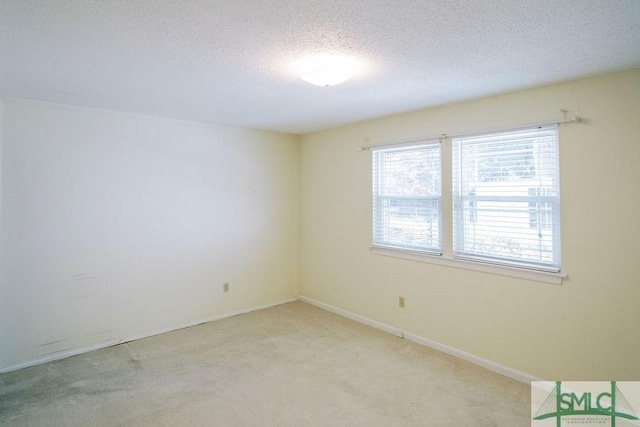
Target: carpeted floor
292	365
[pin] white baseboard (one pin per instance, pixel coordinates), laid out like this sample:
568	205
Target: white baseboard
378	325
487	364
109	343
210	319
58	356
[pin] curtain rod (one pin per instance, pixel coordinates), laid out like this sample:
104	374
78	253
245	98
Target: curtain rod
444	135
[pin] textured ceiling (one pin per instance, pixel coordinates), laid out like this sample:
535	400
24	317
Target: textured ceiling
229	62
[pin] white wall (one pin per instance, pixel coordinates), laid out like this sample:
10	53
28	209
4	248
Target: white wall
115	226
586	328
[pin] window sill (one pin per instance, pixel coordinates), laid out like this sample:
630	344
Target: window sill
520	273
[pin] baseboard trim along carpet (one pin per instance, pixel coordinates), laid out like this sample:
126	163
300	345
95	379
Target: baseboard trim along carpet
82	350
487	364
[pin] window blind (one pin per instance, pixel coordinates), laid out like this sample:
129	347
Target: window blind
506	205
407	200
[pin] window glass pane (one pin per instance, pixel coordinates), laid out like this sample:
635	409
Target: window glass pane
506	198
407	197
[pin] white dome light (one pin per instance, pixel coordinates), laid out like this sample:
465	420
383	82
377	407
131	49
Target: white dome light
327	70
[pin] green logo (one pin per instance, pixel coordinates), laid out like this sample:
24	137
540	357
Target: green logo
610	403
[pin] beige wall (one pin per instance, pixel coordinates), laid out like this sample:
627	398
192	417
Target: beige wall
115	226
586	328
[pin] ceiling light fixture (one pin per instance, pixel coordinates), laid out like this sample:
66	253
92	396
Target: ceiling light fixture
327	70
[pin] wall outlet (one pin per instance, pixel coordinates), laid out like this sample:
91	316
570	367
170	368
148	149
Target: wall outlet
225	287
401	302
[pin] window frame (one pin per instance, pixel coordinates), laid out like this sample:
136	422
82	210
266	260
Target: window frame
502	165
378	174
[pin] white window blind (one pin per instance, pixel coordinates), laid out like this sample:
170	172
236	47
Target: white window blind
506	198
407	203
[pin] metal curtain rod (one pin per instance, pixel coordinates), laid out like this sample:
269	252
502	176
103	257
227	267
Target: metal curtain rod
444	135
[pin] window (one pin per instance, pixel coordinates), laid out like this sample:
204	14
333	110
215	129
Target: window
505	202
506	198
407	200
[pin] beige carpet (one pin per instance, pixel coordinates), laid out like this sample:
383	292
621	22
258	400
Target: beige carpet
292	365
